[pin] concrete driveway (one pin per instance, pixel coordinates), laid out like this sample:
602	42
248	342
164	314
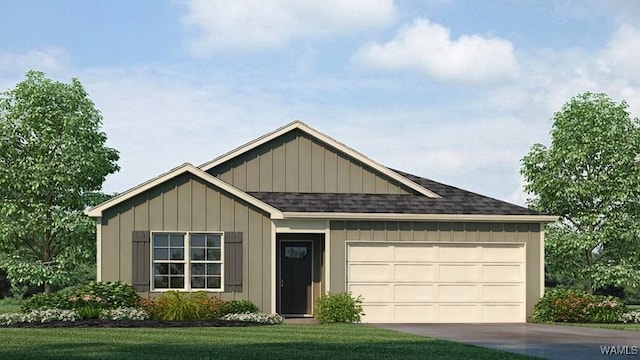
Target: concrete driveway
546	341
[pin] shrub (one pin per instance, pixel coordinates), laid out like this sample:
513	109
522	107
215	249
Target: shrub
630	317
568	305
114	294
106	295
45	301
338	307
209	308
239	307
88	312
256	317
41	316
124	313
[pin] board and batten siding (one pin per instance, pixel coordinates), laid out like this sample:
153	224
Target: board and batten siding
529	234
187	203
295	162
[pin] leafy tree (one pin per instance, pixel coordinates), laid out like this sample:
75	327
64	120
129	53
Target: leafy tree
53	160
590	177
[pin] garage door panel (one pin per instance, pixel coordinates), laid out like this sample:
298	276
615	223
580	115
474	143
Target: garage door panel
414	292
414	313
458	293
503	313
438	282
377	313
502	293
370	272
502	253
409	253
503	273
414	272
457	253
458	272
376	252
373	292
458	313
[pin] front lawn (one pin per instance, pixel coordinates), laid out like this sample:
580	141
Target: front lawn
626	327
336	341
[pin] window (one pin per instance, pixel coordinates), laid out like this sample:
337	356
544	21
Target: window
186	261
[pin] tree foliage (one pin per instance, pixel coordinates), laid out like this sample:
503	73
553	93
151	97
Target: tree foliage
53	161
590	177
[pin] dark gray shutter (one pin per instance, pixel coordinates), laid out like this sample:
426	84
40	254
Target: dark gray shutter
141	253
232	261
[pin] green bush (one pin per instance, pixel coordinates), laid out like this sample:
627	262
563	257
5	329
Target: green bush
569	305
339	308
89	312
113	294
105	295
239	307
46	301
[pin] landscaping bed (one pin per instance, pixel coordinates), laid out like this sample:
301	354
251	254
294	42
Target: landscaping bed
97	323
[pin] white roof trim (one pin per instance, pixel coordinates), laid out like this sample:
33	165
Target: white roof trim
420	217
328	140
184	168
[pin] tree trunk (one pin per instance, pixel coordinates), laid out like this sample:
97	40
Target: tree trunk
47	288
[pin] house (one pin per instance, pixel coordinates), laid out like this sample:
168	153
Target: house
295	214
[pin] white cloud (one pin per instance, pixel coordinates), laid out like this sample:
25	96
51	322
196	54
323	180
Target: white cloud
620	58
428	47
47	60
255	24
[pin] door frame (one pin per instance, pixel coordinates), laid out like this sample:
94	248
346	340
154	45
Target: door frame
310	302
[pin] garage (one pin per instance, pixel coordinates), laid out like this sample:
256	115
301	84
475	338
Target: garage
438	282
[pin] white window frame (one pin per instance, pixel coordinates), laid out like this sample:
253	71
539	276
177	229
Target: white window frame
187	260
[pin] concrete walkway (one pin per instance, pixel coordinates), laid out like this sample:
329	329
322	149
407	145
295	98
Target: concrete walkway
546	341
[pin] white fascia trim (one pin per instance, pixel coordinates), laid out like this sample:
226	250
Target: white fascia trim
430	217
99	249
326	139
184	168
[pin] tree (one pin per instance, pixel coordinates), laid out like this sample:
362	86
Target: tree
53	160
590	177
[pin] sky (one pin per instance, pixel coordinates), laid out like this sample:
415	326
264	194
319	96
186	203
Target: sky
454	91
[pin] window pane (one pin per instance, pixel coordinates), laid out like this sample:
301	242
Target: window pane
176	269
177	282
213	282
197	269
197	240
161	282
177	254
197	282
214	269
160	239
161	269
213	255
213	240
177	240
197	254
160	254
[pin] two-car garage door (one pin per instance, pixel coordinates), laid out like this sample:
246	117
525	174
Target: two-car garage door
438	282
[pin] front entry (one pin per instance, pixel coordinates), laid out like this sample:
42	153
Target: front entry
295	276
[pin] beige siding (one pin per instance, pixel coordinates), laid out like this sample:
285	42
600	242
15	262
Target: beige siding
295	162
529	234
186	203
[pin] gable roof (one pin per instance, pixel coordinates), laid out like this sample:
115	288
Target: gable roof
299	125
454	204
96	211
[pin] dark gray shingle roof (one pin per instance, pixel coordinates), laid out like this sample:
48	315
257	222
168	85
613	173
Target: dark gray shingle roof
453	201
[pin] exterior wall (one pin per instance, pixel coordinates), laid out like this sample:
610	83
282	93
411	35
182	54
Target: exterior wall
295	162
186	203
342	231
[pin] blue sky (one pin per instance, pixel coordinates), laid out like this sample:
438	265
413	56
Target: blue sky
455	91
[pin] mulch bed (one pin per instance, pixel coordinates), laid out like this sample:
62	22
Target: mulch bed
134	324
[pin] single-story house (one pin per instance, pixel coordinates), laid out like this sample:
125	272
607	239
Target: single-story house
295	214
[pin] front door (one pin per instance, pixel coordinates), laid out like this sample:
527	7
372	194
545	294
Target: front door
295	277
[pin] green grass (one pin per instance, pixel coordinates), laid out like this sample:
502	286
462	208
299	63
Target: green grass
625	327
9	305
336	341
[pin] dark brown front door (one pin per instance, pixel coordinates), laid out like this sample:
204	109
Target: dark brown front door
295	276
